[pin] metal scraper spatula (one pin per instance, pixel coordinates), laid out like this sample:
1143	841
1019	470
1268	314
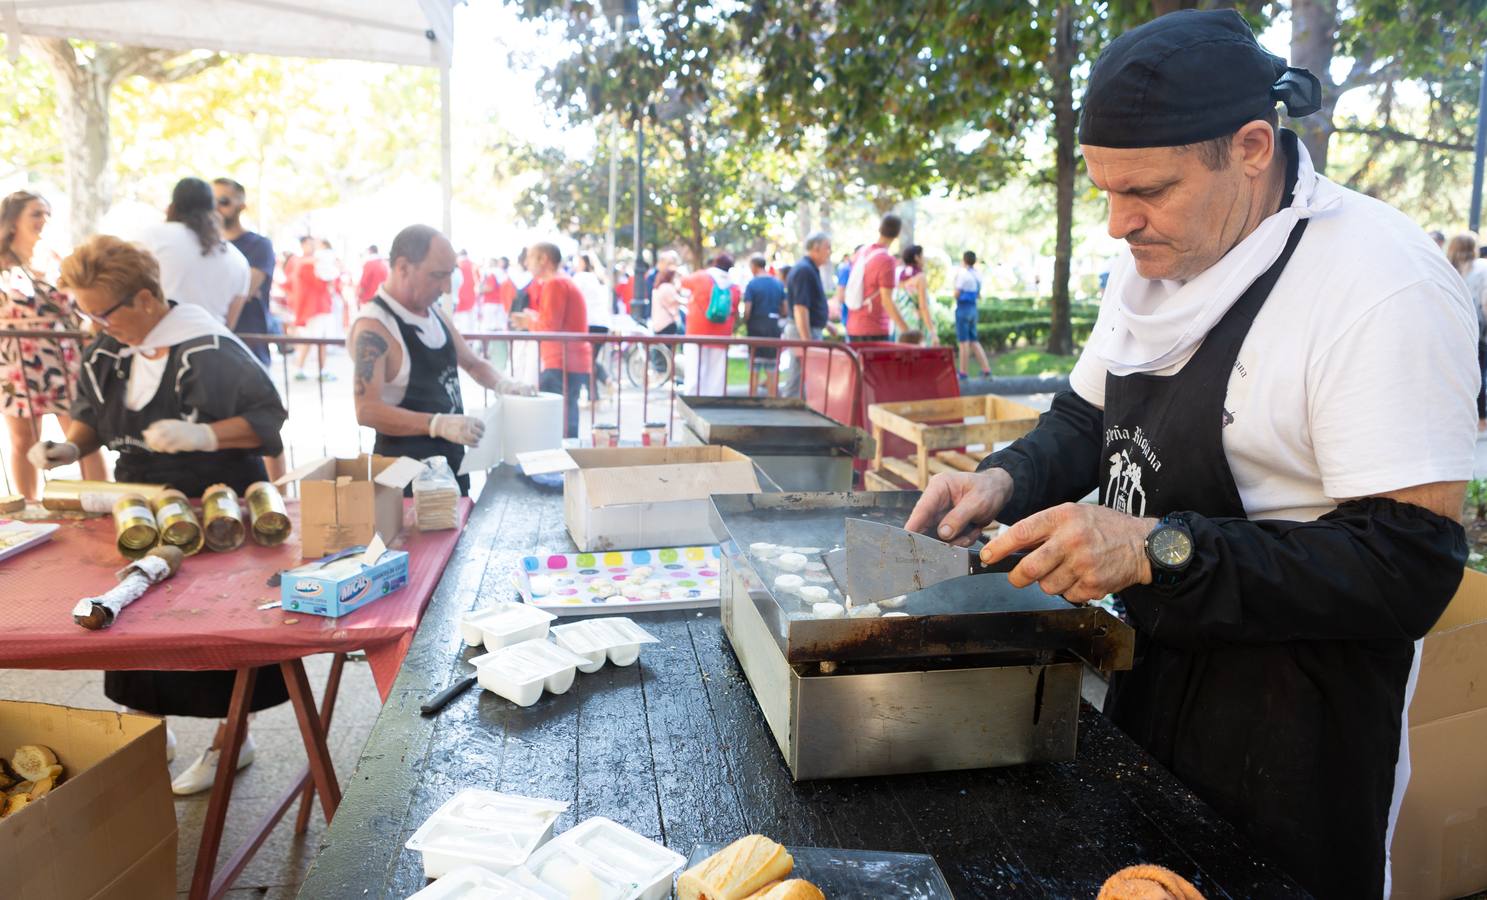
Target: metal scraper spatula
881	561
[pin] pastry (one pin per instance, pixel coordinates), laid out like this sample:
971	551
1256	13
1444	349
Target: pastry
794	889
33	762
737	871
813	593
791	562
869	611
15	803
788	583
894	602
828	610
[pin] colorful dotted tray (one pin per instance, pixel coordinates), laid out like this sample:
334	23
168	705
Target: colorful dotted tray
563	583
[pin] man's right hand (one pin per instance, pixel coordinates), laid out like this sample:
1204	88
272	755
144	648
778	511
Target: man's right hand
957	505
50	454
466	430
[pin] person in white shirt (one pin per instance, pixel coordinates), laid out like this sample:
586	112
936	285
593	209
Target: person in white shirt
197	266
1464	253
599	301
1276	407
967	315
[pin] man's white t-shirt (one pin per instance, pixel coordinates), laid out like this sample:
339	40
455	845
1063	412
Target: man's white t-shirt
595	298
429	334
210	281
966	280
1358	377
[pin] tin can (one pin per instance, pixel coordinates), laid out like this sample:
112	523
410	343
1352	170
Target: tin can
177	521
96	497
222	515
606	436
656	434
267	514
134	526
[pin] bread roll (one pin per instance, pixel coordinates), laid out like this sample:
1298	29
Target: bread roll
737	871
33	761
15	803
794	889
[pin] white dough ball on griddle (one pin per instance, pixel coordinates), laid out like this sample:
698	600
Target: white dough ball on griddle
813	593
788	583
869	611
819	578
895	615
764	550
791	562
828	610
894	602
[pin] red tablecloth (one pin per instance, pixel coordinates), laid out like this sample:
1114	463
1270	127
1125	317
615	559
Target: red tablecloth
207	616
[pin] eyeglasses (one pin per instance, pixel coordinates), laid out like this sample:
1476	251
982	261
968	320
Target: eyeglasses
102	318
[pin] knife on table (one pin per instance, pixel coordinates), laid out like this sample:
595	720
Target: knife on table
881	561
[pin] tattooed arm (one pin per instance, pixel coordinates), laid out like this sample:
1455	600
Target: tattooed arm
374	354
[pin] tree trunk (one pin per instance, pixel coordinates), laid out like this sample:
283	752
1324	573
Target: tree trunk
83	100
1065	57
1313	33
908	210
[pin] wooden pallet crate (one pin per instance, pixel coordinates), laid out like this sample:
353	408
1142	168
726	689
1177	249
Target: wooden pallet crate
939	432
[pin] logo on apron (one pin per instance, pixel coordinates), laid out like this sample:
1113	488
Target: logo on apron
450	381
1132	459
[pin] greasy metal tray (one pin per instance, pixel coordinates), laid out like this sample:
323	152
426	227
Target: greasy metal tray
778	423
860	873
981	615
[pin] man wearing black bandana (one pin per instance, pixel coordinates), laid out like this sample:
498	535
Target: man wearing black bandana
1279	518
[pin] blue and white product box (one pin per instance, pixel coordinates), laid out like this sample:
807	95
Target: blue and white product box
343	586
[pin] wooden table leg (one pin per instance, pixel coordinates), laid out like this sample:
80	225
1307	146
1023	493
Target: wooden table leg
322	770
327	707
232	743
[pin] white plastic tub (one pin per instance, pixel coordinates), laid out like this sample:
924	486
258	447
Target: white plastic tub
614	637
494	831
520	672
475	883
622	864
503	623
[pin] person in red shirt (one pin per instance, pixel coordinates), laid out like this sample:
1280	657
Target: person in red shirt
878	315
464	305
312	305
707	367
560	307
506	290
373	273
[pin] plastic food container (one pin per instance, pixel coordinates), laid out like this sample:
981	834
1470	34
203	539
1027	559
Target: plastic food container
475	883
520	672
607	860
615	637
503	624
494	831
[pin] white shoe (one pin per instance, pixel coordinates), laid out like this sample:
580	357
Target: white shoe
203	772
170	745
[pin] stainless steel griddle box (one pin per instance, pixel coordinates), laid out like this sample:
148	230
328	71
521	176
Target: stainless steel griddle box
981	674
800	448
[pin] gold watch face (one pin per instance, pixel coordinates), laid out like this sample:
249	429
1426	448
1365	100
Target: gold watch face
1172	547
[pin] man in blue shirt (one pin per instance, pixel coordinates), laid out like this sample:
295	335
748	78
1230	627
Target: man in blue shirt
809	309
763	304
253	317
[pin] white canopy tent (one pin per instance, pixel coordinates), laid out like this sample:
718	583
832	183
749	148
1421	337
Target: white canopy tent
402	32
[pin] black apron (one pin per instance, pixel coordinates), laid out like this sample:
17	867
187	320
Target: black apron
433	387
1294	742
200	694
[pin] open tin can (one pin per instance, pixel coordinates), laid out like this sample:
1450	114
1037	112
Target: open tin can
135	531
177	521
267	515
222	514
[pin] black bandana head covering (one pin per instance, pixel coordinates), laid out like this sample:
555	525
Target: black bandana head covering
1186	77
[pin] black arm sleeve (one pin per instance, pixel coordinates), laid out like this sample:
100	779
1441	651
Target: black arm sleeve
1056	462
234	384
1371	569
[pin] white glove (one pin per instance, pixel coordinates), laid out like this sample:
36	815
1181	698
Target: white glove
49	454
506	385
465	430
178	436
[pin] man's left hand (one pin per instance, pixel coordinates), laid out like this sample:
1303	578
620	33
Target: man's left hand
506	385
177	436
1083	551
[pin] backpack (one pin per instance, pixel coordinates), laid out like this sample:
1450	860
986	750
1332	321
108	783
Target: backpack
720	305
854	296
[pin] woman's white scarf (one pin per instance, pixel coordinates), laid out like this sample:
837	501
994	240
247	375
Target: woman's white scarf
1152	325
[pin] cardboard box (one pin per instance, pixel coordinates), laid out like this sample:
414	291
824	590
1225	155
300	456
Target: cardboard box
343	586
345	502
639	498
108	832
1440	840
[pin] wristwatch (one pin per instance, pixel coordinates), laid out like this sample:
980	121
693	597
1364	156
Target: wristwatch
1169	547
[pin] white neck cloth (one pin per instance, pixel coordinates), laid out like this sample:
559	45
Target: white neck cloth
1156	324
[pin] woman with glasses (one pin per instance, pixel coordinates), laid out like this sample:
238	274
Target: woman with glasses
36	375
184	403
